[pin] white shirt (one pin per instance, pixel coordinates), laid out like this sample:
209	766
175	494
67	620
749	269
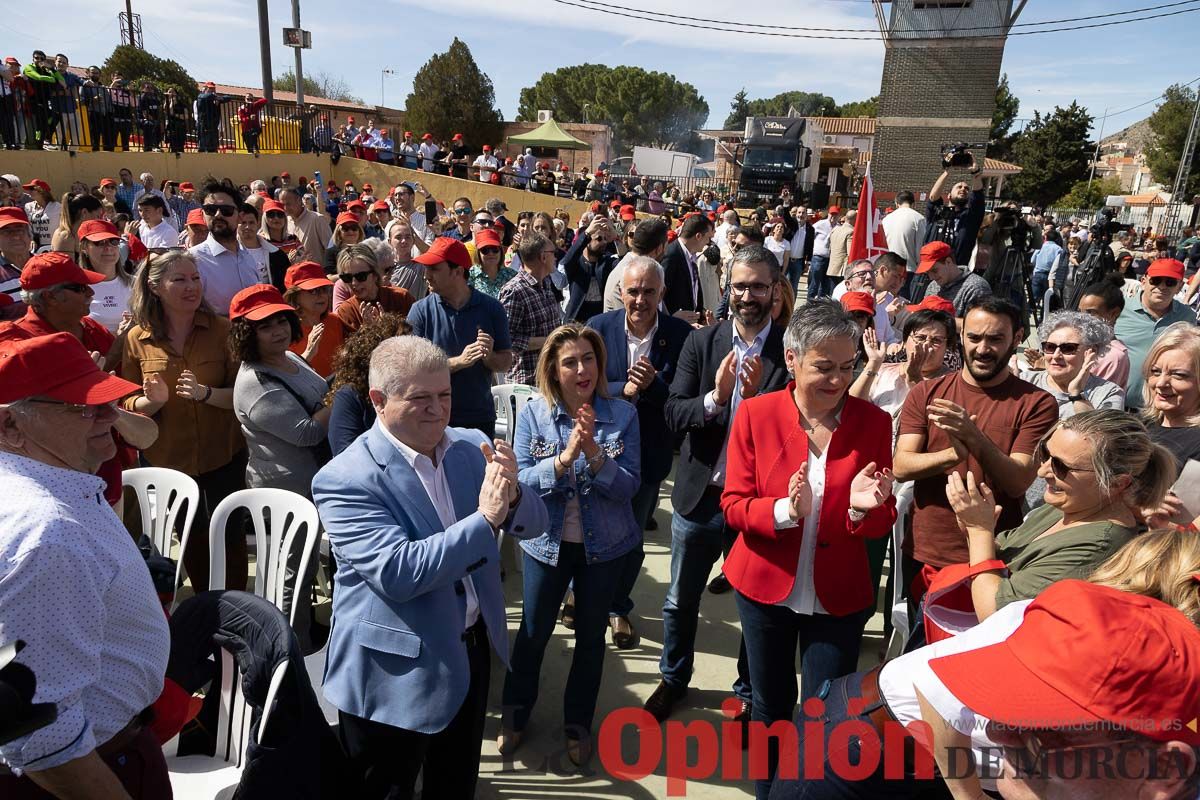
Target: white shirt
161	235
226	272
485	175
639	347
428	150
743	350
904	230
437	489
782	248
110	303
75	588
821	231
798	239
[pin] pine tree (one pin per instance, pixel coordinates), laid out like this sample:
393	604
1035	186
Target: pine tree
1053	152
739	109
452	95
1170	123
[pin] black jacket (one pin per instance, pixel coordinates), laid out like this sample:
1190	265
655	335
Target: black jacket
580	275
678	275
695	377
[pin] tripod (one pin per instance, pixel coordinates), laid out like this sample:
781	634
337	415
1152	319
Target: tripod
1098	263
1008	276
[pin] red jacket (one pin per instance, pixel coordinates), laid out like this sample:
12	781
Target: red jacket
248	115
766	446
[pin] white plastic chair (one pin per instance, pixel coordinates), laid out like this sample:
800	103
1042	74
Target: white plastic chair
293	522
900	621
197	777
510	398
160	492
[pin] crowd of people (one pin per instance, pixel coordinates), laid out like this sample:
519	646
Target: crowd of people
343	344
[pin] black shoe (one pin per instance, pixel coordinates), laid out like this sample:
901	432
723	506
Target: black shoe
652	524
719	584
662	702
743	716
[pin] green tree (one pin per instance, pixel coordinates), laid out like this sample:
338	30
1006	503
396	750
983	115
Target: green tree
806	104
137	65
452	95
1170	123
320	85
643	108
739	109
1081	196
1003	117
1053	152
859	108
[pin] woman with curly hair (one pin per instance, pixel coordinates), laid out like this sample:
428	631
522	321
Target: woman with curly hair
352	411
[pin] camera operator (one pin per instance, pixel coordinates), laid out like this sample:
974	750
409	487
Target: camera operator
956	223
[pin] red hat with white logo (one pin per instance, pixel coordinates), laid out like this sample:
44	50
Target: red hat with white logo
58	367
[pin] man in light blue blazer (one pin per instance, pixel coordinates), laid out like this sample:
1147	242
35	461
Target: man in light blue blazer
413	509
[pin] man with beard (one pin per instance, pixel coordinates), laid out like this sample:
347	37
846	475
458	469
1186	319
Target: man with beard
1154	311
959	223
982	419
720	366
225	265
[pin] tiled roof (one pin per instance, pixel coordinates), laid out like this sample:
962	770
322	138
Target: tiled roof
995	165
846	126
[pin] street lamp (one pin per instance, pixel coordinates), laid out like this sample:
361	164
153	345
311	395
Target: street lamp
383	72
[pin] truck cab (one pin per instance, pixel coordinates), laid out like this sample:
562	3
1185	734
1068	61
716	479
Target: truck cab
773	156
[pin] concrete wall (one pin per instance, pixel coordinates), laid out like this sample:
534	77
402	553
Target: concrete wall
60	170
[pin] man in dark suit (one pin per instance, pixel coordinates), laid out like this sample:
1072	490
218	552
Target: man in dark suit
718	367
679	266
643	346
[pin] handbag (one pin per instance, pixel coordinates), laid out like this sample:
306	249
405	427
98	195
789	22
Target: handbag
949	608
322	452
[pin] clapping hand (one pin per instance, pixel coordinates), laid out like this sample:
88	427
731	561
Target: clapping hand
503	455
800	499
922	354
973	503
155	389
314	339
641	375
955	421
870	488
750	376
494	494
1085	372
872	349
370	312
188	387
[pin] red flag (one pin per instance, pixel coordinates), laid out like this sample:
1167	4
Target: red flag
869	240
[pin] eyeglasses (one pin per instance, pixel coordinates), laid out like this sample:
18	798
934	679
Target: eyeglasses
82	409
77	288
864	274
755	289
1159	280
935	341
104	243
1041	752
1066	348
351	227
488	251
481	221
462	212
351	277
1060	468
275	215
212	209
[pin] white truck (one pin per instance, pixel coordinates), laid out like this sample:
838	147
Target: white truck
664	163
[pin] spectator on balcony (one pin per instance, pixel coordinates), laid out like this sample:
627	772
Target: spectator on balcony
322	136
95	98
207	110
66	103
174	115
122	110
45	82
250	122
149	112
11	101
385	147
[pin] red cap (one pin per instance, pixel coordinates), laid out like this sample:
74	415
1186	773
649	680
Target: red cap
111	182
933	303
628	213
615	204
381	205
98	230
456	137
931	254
1165	268
858	301
348	183
196	217
38	183
50	269
383	132
349	119
595	206
427	136
285	174
407	134
273	205
834	210
368	188
446	249
1087	655
12	60
544	165
137	250
508	160
488	237
357	204
348	218
59	367
187	186
11	215
306	275
210	85
487	148
257	303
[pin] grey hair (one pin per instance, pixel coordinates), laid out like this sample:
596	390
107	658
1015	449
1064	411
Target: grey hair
645	262
258	186
145	175
818	322
398	359
757	254
384	253
36	298
851	268
1095	333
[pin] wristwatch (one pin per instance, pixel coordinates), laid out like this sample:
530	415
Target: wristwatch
1077	398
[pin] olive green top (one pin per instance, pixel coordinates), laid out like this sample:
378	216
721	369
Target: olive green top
1070	553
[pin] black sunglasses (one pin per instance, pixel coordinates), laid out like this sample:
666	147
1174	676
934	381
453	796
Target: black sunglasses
351	277
1066	348
349	226
1060	468
212	209
488	251
1159	280
275	215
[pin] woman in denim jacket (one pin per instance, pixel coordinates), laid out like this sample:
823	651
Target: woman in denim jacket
580	448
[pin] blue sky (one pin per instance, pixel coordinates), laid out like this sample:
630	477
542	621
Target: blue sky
515	43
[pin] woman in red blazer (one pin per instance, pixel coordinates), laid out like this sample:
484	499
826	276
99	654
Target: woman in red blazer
809	480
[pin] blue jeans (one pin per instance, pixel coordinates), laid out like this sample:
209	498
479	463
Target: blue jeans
1040	282
828	648
818	281
795	268
543	587
837	697
697	541
643	502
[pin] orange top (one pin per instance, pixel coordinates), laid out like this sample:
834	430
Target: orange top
332	339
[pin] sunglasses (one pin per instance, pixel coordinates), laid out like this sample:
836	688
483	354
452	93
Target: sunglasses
212	209
77	288
1066	348
1060	468
351	277
489	251
275	215
1158	280
104	242
351	227
462	212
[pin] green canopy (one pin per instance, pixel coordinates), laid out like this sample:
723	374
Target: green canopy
548	134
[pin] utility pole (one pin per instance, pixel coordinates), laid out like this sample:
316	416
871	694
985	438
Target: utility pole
1096	155
264	49
1171	222
299	64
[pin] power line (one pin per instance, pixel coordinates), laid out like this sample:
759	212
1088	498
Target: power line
1162	96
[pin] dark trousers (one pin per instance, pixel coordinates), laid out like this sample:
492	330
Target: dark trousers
139	766
122	128
8	122
643	502
389	758
100	131
251	140
150	135
828	649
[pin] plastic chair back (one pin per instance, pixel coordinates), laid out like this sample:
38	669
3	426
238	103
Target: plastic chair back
510	398
160	494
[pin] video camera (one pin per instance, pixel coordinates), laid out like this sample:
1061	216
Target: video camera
958	155
1105	226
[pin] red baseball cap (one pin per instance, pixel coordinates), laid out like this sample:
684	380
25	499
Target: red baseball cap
380	205
210	85
488	237
1165	268
407	134
349	119
306	275
137	250
933	303
834	210
37	183
858	301
615	204
273	205
383	132
628	213
98	230
487	148
931	254
359	204
427	136
59	367
187	186
257	303
51	269
196	217
456	137
111	182
285	174
11	215
348	218
1087	655
348	183
368	188
446	249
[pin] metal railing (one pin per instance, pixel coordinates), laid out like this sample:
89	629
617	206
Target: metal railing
89	118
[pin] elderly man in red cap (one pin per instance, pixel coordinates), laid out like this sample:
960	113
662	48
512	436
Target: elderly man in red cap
73	585
1154	310
16	248
428	151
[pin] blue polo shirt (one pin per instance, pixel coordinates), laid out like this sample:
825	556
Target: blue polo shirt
1137	330
452	330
